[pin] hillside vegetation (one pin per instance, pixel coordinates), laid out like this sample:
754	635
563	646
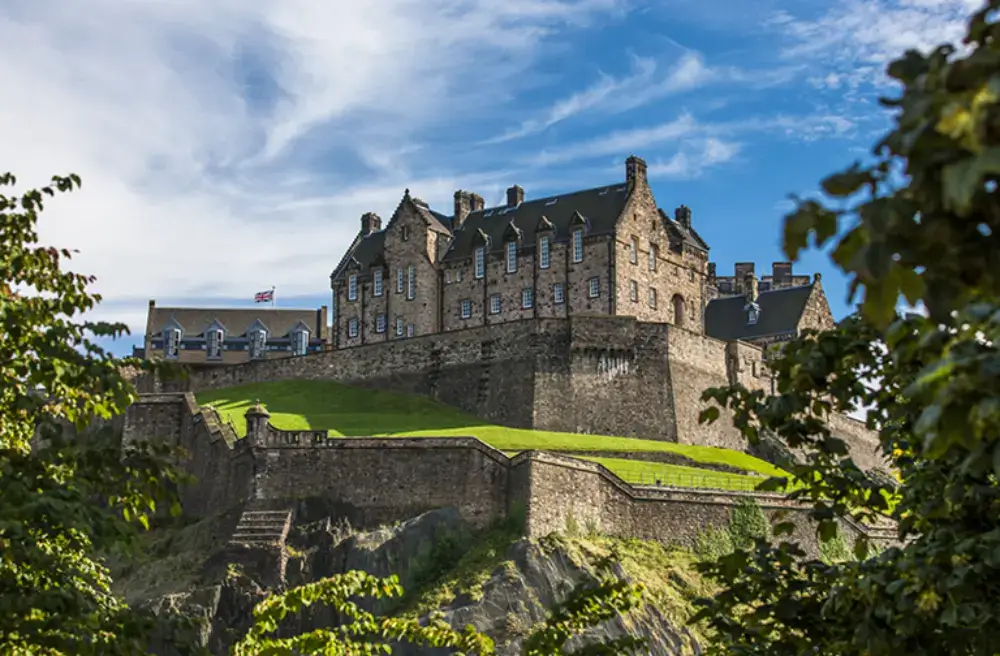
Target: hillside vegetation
347	411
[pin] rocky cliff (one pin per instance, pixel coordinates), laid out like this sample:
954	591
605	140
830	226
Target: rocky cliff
495	581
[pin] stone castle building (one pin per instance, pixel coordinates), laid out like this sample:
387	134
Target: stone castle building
604	251
224	336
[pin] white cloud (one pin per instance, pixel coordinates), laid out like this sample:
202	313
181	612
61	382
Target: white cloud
851	42
195	182
694	159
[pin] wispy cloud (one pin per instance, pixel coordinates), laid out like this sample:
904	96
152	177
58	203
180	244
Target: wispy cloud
694	159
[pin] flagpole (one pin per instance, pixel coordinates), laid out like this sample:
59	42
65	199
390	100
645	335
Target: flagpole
273	299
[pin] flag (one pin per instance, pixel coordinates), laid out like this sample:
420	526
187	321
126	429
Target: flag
264	297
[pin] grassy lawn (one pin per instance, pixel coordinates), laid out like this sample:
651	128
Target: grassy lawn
354	412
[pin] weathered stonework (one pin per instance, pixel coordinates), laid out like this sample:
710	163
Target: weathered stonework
372	481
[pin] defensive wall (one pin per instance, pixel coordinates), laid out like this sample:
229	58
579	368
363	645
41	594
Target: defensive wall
372	481
587	374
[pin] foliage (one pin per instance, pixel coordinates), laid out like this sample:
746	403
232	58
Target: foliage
364	633
835	549
924	220
747	523
65	500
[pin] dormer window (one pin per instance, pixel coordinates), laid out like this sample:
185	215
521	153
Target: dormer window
377	282
511	257
258	343
753	313
577	246
171	343
544	252
352	287
480	262
300	342
213	343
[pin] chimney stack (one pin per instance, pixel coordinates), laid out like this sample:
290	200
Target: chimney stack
370	222
683	216
711	271
635	170
751	287
476	202
743	269
515	196
781	274
463	205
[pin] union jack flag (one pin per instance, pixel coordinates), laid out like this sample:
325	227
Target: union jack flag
264	297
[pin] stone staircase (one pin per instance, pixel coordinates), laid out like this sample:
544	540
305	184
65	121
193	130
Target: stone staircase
260	527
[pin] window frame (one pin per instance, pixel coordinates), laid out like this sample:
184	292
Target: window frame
465	308
558	294
591	284
527	298
496	304
577	245
479	262
510	253
544	252
377	282
352	287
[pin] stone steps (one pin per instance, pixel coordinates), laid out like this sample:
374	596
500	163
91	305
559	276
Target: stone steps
262	528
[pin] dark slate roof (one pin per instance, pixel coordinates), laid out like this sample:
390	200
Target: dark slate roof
365	251
599	208
235	321
780	311
681	234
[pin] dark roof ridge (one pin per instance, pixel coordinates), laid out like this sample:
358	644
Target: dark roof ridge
565	193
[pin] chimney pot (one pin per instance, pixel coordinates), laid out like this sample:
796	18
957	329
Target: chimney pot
515	196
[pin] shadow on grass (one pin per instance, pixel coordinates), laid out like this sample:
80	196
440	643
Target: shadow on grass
344	410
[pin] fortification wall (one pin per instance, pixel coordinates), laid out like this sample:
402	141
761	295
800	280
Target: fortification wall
222	465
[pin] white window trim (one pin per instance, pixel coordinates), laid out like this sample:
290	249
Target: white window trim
633	291
652	297
352	287
527	298
400	281
213	339
300	342
633	255
399	326
558	293
465	309
411	283
171	343
352	327
380	324
495	304
544	253
258	344
377	282
652	257
591	293
577	246
479	263
511	251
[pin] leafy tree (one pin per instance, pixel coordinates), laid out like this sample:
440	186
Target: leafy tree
921	221
65	500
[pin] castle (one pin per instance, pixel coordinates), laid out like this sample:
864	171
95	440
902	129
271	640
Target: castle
605	251
588	312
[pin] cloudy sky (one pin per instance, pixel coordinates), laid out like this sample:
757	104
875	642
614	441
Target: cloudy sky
227	146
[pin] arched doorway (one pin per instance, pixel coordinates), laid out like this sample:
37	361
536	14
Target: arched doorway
679	309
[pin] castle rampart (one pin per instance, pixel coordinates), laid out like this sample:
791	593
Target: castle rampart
371	481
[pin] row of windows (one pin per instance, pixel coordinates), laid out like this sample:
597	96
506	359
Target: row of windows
528	298
544	254
406	279
214	339
402	328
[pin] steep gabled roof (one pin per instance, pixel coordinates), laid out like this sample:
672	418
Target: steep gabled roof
365	252
681	234
780	311
599	208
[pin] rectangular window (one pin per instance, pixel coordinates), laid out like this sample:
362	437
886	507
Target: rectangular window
527	298
633	291
652	298
652	257
300	342
411	283
480	262
495	304
258	344
352	327
399	281
410	330
380	323
377	282
558	294
578	246
352	287
171	343
458	275
466	308
214	343
544	253
511	257
399	326
633	255
594	287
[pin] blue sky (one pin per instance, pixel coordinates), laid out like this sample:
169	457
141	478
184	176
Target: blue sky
227	146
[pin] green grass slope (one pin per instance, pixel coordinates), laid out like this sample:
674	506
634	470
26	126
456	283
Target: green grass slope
347	411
